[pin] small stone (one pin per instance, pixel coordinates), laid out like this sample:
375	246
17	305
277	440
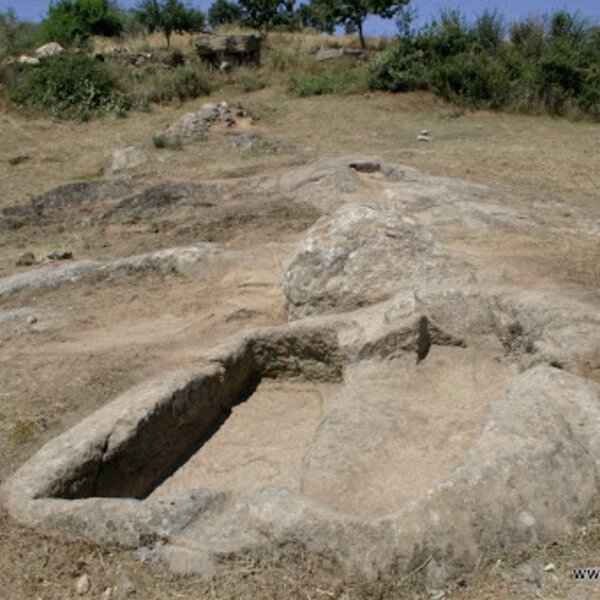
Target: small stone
424	136
83	585
245	141
26	259
125	587
17	160
60	255
127	158
32	320
107	593
550	568
193	125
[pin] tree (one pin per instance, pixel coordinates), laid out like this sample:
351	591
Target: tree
71	20
170	16
223	12
16	36
352	13
308	18
264	13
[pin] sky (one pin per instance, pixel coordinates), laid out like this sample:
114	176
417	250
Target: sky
35	10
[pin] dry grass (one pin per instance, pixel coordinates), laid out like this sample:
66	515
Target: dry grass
182	42
553	157
305	42
545	156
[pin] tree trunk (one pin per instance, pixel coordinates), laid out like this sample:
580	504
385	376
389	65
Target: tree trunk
363	43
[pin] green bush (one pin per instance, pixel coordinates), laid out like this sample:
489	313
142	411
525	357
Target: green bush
68	86
282	60
473	79
401	69
312	85
164	140
72	21
551	64
250	82
17	37
182	83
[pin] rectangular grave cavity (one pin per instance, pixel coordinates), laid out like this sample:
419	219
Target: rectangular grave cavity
140	453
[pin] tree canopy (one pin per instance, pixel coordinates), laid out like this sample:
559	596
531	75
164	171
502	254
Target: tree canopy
16	36
170	16
308	18
223	12
352	13
72	20
263	14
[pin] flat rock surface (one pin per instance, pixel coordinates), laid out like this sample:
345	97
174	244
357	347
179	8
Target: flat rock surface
400	427
263	442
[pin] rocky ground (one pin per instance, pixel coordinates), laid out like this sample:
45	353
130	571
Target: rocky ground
148	273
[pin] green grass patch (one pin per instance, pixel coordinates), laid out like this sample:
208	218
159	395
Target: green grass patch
315	84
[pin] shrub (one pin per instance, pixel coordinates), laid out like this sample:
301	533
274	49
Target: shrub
489	31
281	60
473	79
251	83
182	83
449	36
16	37
400	69
69	86
71	21
550	65
164	140
528	37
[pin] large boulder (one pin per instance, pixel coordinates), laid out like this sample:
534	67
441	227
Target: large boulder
531	477
195	125
233	49
325	54
360	255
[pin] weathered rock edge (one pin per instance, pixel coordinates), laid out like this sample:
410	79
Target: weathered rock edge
184	260
531	476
